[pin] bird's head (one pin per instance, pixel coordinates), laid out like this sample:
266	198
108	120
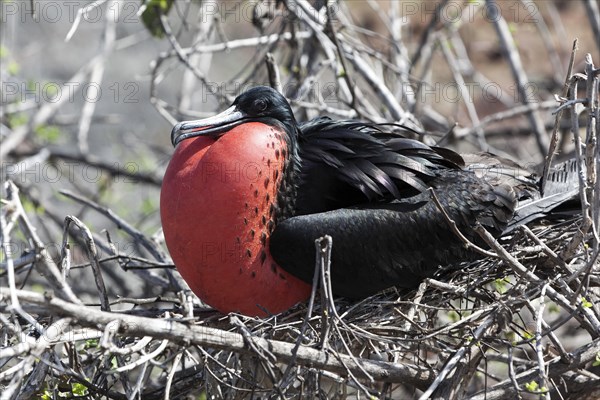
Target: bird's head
259	104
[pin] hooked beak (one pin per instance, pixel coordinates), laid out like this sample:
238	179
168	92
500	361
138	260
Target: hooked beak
213	126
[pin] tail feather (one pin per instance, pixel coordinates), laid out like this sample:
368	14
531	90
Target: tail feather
562	178
560	198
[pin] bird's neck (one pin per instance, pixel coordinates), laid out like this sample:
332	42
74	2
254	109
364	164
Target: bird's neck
288	190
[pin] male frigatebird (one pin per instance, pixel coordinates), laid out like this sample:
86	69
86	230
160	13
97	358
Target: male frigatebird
248	191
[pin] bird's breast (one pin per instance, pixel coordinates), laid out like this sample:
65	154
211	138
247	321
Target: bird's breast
218	208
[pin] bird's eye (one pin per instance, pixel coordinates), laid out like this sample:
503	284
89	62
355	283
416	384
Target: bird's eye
260	105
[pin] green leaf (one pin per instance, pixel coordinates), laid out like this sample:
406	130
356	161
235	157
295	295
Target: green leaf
30	207
151	15
48	133
148	206
597	361
13	68
553	308
585	303
38	288
18	119
78	389
453	315
527	335
500	285
532	386
511	336
90	344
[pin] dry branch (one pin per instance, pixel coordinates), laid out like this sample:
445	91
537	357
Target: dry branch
525	314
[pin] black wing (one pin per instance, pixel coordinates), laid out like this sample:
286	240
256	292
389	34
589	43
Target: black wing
378	245
357	181
345	163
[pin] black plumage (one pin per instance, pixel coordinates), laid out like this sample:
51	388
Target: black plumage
367	185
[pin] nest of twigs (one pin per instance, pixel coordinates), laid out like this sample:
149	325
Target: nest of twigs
524	321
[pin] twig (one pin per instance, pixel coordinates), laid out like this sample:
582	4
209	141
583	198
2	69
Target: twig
172	374
464	92
591	322
145	357
451	363
120	222
345	71
593	14
92	254
311	302
397	112
512	54
219	339
97	73
569	251
556	367
544	246
273	70
45	262
539	351
128	171
546	36
515	111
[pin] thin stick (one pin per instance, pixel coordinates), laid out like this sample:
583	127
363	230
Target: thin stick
92	254
512	54
273	70
554	137
219	339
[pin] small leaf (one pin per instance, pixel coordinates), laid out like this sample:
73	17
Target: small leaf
586	303
532	386
510	336
453	315
553	308
597	361
148	206
13	68
78	389
48	133
527	335
18	119
500	285
90	344
37	288
151	15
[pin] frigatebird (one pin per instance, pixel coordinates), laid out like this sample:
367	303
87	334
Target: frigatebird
248	191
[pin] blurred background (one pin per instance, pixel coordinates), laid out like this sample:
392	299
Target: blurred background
91	89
